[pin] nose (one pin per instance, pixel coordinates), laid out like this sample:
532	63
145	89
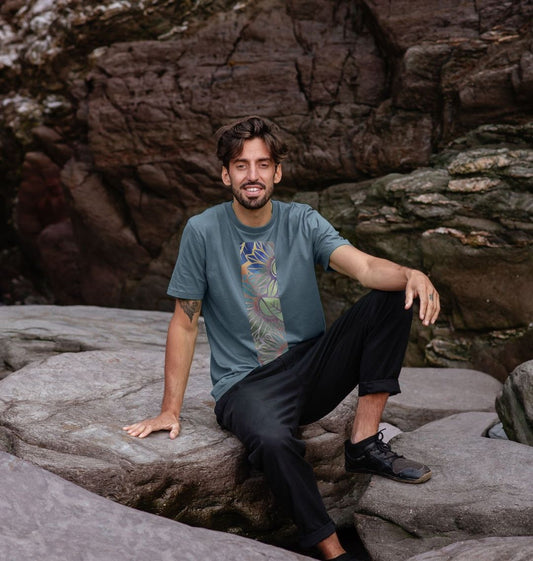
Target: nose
253	172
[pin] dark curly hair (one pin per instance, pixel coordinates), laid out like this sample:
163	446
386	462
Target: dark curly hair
230	138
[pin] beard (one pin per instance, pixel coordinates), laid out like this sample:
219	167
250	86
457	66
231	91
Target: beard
256	202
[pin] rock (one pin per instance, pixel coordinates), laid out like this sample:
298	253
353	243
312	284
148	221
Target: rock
106	147
45	227
480	488
466	217
429	394
126	111
393	140
487	549
496	352
515	404
45	517
78	374
65	414
32	333
407	24
497	431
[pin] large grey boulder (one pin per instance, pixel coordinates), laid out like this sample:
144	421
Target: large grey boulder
429	394
515	404
45	517
66	414
486	549
64	411
31	333
480	488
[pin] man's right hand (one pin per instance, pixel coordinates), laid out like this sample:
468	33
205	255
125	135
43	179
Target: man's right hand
164	421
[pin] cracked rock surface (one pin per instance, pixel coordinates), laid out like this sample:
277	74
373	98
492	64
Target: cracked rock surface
64	407
45	517
486	549
64	411
107	116
480	488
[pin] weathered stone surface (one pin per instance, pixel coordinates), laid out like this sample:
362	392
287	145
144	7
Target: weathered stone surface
515	404
45	517
487	549
78	374
66	414
123	113
467	222
480	488
108	143
429	394
32	333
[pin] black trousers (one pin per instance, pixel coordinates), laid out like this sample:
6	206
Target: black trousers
365	347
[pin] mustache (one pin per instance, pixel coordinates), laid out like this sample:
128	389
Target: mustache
253	184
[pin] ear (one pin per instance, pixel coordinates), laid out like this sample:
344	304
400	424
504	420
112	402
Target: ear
225	176
277	174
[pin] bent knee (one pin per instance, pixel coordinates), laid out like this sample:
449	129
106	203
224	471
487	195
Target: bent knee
274	441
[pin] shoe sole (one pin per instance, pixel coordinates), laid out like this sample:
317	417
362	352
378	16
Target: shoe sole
421	479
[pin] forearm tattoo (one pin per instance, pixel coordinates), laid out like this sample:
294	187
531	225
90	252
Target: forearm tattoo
190	307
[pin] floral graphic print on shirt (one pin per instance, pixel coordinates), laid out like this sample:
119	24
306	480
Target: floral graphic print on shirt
261	297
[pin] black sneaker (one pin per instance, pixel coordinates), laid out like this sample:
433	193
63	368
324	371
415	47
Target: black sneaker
372	455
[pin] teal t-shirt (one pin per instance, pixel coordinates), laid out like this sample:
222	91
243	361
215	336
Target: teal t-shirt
257	285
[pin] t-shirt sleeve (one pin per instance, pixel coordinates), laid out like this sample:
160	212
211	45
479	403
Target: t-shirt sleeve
325	238
188	280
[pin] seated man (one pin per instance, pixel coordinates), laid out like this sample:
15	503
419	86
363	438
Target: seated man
250	265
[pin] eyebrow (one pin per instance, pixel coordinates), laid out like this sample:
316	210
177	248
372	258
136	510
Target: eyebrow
244	160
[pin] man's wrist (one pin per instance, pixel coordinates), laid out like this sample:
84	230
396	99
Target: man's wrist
407	272
173	412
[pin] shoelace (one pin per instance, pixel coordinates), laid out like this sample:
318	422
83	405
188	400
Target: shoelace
385	448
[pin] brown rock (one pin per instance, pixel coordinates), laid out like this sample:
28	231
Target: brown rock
40	199
406	23
121	102
393	140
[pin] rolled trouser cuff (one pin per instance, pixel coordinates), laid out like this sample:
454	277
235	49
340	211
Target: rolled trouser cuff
310	540
390	386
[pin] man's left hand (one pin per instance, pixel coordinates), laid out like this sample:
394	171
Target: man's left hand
419	286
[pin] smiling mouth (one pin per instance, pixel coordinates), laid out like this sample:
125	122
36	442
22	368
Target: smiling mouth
253	189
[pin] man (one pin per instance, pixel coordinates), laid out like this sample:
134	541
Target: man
250	264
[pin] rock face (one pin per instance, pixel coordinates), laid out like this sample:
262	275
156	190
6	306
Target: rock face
488	549
515	404
106	144
480	488
45	517
456	220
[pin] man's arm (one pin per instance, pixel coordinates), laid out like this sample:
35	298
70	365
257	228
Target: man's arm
181	340
381	274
